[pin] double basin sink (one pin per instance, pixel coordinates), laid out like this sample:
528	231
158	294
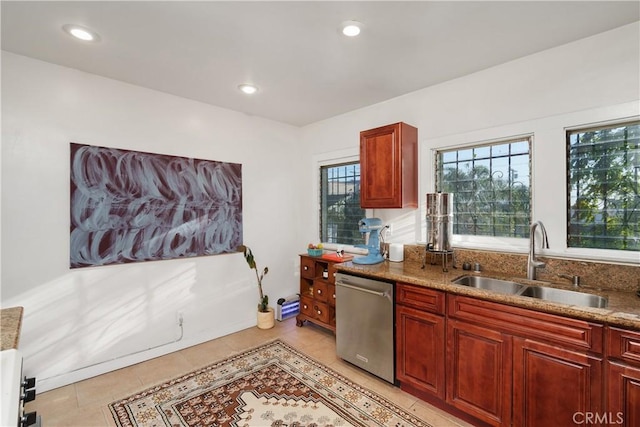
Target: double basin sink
544	293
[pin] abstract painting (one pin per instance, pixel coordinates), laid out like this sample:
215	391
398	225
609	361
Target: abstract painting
130	206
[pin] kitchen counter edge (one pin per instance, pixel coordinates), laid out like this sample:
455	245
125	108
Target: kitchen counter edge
623	308
11	323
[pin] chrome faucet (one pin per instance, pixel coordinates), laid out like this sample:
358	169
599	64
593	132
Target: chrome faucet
532	263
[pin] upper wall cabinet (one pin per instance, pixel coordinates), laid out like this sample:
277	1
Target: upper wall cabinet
389	167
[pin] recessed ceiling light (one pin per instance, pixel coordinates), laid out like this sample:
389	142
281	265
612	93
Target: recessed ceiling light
81	33
351	28
248	89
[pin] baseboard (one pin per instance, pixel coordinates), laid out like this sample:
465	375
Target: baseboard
83	373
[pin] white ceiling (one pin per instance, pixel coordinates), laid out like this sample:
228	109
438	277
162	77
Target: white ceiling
306	70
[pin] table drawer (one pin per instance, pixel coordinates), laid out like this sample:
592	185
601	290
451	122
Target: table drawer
306	306
332	273
321	291
331	292
307	268
323	312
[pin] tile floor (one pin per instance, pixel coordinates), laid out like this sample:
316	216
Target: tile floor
84	404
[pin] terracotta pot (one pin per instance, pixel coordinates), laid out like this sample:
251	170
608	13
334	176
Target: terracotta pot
266	320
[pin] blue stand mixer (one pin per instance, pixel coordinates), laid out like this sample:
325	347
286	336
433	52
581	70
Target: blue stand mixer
372	226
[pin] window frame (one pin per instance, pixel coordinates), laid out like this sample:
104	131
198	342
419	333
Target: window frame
327	159
322	215
484	144
468	241
587	127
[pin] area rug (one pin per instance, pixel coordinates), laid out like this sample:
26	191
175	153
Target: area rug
271	385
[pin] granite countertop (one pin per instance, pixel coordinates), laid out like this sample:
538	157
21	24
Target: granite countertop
623	308
10	324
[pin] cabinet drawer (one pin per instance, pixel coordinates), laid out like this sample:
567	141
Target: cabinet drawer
332	273
322	312
320	291
420	297
331	295
307	268
625	345
573	333
306	306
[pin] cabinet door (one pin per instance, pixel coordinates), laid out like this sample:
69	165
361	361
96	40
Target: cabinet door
479	372
623	402
420	350
388	167
554	386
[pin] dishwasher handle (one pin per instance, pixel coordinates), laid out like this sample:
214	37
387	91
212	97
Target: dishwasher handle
357	288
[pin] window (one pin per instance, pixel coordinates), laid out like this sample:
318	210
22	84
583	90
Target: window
491	187
340	208
603	173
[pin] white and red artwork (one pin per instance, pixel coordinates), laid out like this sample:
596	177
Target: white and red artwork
130	206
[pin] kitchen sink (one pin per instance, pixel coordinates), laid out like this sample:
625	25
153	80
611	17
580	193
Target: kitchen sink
565	297
487	283
544	293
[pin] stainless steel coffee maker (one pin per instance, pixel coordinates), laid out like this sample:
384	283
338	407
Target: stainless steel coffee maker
439	226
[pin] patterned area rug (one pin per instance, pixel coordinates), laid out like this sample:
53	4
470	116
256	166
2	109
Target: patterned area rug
271	385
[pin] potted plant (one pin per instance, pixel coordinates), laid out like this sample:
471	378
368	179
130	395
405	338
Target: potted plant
266	317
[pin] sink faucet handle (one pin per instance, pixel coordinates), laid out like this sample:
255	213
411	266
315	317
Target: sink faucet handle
574	279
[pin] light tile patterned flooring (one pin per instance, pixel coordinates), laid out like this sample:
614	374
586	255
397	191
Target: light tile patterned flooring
85	404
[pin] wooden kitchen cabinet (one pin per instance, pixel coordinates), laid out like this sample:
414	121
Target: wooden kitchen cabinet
389	167
420	342
479	372
623	373
512	366
551	385
495	364
317	293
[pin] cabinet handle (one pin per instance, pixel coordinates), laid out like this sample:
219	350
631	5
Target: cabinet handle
319	291
319	313
334	296
28	396
305	268
305	306
28	419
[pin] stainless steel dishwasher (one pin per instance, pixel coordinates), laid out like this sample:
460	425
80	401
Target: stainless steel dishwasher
364	324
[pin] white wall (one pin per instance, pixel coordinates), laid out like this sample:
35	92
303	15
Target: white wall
591	80
77	318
